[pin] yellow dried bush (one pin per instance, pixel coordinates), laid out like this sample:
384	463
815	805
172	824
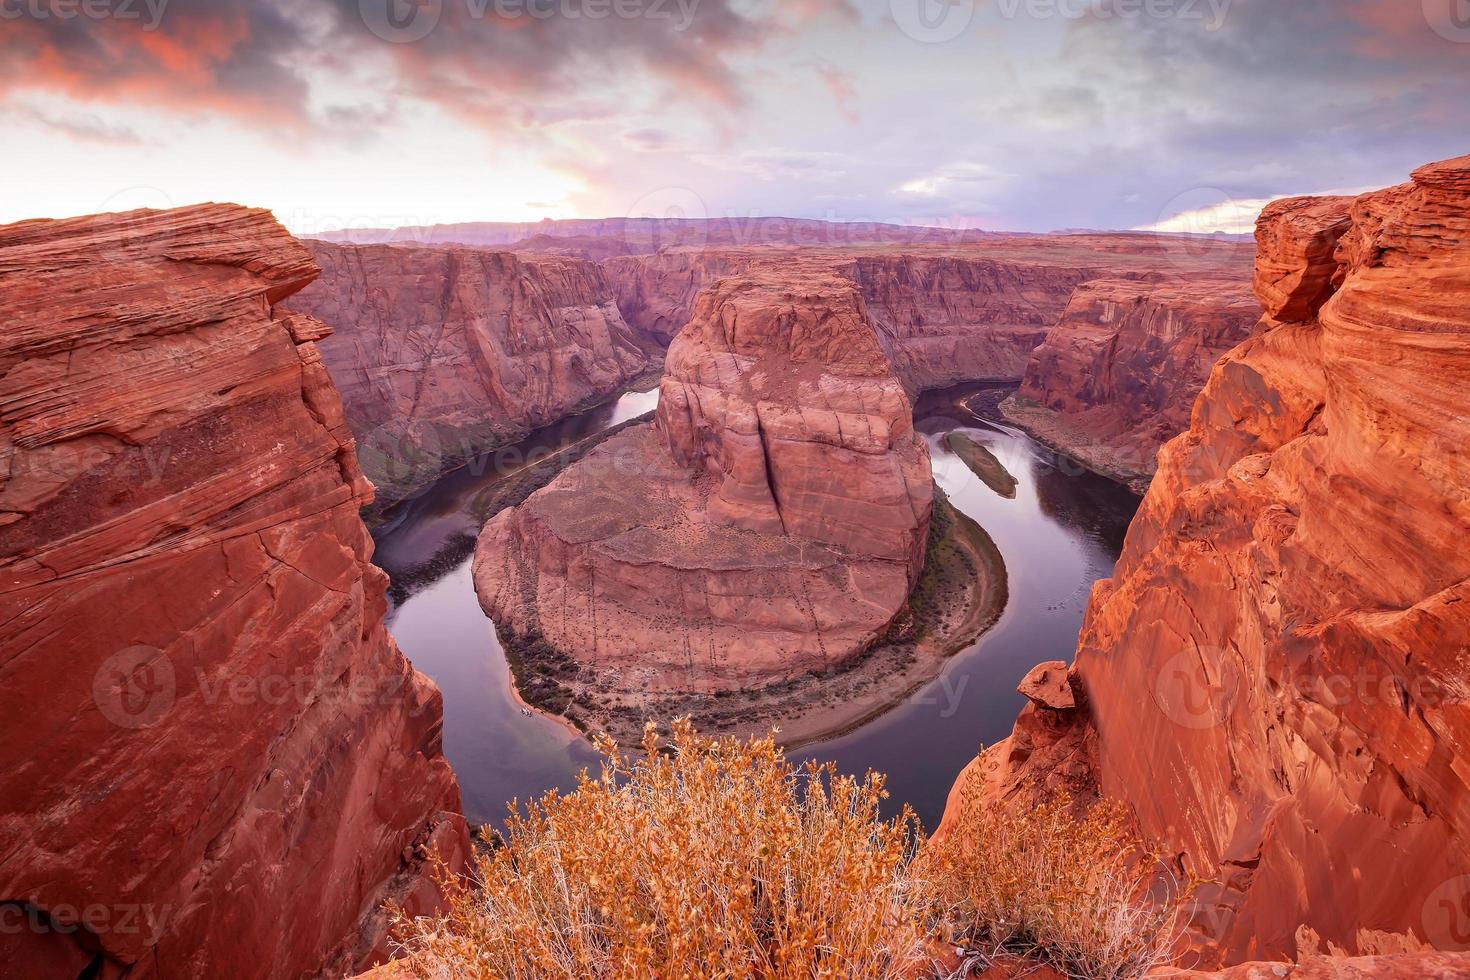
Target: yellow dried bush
1082	894
712	858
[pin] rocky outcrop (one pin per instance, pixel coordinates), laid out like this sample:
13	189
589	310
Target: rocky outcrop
445	353
1117	376
215	761
770	524
1276	674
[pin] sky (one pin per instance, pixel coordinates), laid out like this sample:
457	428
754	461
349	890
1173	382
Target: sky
1028	115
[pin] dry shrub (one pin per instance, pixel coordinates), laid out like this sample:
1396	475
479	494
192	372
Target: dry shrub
717	858
1084	895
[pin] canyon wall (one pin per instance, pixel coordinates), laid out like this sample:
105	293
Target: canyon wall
1118	374
444	353
656	292
955	318
770	524
1275	678
945	317
215	760
950	314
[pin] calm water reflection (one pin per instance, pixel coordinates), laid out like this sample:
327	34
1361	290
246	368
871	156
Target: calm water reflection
1062	532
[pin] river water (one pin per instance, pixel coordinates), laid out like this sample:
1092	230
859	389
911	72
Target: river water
1062	532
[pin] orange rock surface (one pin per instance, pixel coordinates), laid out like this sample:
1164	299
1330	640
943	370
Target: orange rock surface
215	761
1276	674
1117	376
444	353
771	523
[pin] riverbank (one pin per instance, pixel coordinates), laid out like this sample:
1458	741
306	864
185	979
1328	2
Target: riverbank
380	513
1057	433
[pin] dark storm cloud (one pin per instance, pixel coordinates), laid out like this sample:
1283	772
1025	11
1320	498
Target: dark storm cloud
486	60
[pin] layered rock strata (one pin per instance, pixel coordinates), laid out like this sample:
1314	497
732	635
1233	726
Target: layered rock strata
1116	377
770	524
958	318
215	760
949	314
1276	674
444	353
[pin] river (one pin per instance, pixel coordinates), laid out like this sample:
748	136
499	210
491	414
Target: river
1062	532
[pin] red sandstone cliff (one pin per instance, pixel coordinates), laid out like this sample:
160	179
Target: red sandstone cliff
947	313
214	758
656	292
946	317
444	353
1117	376
959	318
771	524
1276	674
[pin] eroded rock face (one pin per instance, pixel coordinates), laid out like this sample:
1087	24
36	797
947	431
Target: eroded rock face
656	292
957	318
214	756
1277	671
771	523
443	353
947	313
1117	376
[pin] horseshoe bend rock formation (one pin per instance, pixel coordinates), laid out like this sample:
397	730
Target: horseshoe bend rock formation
442	353
216	762
1117	376
1276	674
770	523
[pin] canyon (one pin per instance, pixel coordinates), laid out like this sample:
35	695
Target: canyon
442	354
1117	376
212	729
770	524
961	313
1273	678
216	761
